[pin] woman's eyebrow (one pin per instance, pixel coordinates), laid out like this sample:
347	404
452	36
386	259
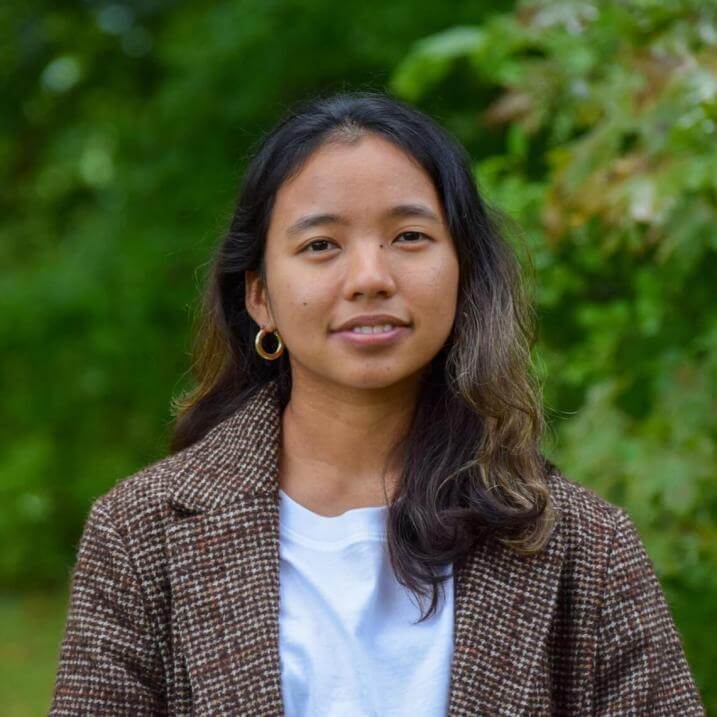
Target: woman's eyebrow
400	210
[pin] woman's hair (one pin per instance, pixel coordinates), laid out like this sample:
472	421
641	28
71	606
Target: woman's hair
472	466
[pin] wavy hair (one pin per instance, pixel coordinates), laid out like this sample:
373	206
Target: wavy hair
472	469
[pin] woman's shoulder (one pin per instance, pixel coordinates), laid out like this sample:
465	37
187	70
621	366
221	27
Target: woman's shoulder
587	521
137	505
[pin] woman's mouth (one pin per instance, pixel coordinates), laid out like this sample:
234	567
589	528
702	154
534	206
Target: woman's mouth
373	335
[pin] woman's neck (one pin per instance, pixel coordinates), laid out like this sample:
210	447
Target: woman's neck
334	445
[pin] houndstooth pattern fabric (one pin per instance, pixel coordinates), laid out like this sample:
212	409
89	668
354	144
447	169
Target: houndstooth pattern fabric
174	606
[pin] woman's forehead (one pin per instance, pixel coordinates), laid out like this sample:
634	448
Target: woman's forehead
370	178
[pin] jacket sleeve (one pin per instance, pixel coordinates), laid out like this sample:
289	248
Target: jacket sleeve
641	665
109	662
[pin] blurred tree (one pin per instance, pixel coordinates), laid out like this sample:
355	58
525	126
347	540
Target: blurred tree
603	148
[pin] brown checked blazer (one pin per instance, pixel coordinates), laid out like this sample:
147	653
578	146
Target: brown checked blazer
174	605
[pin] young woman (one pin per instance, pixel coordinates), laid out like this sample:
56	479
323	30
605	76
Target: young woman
364	435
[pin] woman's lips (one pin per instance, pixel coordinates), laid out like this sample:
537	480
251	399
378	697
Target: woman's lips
379	339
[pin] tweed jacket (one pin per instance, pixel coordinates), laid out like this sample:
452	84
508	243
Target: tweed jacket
174	603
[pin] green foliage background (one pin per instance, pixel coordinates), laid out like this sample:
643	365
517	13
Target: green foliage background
124	129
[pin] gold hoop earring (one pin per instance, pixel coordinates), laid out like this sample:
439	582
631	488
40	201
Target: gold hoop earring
262	351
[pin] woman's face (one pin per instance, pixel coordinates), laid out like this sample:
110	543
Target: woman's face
372	257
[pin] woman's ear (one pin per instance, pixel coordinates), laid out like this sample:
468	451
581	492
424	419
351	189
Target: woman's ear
255	298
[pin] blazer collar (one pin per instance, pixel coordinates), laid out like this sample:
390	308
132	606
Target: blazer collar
238	456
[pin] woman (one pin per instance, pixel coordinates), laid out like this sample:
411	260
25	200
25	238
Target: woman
381	448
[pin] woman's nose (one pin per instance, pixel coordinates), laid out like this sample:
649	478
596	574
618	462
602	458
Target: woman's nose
369	270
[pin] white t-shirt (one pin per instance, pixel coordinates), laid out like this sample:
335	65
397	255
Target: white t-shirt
348	647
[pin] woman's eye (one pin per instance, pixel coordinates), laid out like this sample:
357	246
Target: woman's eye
415	234
316	241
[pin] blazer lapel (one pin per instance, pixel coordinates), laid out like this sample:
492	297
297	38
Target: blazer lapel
223	552
504	604
225	585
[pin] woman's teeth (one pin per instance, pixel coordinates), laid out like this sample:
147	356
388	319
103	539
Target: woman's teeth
372	329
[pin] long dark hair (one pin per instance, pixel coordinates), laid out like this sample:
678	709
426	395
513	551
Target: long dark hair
472	466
